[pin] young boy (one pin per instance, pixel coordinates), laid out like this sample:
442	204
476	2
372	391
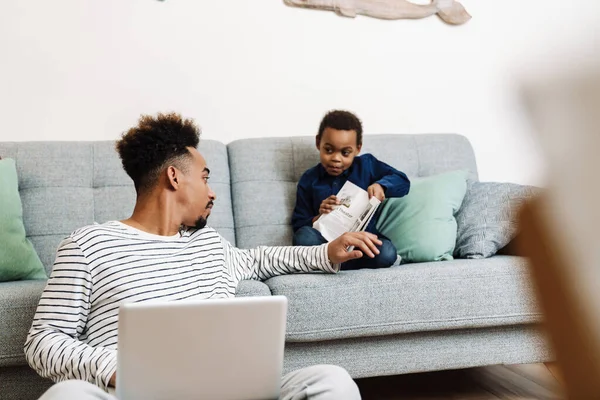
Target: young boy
339	141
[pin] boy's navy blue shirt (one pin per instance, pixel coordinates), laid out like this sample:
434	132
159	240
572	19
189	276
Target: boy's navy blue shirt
316	185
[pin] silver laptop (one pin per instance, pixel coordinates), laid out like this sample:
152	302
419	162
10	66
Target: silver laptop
228	349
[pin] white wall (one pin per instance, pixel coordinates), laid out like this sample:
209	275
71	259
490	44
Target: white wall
85	70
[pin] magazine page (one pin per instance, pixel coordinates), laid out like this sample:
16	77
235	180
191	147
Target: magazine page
365	217
348	215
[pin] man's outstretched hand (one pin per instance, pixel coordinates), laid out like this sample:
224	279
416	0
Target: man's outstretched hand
363	242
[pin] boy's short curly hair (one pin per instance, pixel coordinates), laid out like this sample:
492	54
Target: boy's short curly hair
343	121
154	144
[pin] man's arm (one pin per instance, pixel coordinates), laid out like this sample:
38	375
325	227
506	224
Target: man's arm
395	183
265	262
52	348
303	214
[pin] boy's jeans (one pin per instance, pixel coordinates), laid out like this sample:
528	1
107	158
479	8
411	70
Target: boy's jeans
309	236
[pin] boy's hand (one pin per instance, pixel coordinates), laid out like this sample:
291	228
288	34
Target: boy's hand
363	242
376	190
328	205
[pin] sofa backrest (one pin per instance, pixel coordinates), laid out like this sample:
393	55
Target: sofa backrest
265	172
67	185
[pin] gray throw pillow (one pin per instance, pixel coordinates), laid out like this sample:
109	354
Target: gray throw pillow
487	219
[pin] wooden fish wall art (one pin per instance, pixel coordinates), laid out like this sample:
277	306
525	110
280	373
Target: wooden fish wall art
450	11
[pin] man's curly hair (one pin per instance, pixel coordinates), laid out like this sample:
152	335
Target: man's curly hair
154	144
342	121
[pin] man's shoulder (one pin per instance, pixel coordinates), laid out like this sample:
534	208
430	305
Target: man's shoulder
206	233
96	229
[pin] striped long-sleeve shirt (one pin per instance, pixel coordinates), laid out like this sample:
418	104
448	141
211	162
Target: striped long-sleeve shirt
100	267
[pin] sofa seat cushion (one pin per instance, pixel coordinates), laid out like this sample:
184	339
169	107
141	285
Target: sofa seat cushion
18	301
430	296
252	288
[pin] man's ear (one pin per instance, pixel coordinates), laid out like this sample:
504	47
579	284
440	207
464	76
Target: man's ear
173	175
358	149
318	142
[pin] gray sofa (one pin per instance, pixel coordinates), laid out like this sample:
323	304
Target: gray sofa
411	318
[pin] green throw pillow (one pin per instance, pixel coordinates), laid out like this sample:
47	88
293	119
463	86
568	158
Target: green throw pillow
18	259
421	224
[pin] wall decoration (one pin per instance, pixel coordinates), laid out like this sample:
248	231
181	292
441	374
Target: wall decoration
450	11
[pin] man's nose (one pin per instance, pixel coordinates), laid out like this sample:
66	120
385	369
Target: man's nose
212	195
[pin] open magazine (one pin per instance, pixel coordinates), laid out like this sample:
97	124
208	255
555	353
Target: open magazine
353	214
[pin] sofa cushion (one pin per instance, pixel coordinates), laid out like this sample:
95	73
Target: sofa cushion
18	301
248	288
421	225
487	220
430	296
18	259
267	170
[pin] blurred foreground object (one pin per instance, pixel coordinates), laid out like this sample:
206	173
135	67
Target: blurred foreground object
561	230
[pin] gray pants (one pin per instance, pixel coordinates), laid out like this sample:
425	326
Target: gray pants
320	382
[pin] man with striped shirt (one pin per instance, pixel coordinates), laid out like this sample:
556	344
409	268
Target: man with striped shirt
163	252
